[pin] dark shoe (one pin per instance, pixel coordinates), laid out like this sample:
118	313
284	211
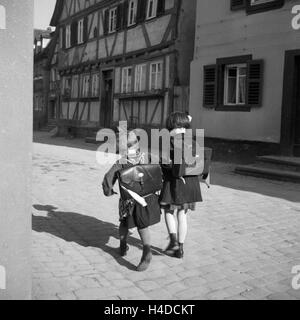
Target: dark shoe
123	248
146	260
173	245
179	253
172	248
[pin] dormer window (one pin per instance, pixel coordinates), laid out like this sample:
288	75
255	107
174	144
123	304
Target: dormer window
112	20
132	12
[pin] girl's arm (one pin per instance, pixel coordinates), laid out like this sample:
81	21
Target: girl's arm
110	179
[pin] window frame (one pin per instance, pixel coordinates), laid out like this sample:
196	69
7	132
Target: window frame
112	18
138	79
95	93
154	9
68	36
80	31
128	88
252	8
132	10
220	83
151	75
85	93
226	85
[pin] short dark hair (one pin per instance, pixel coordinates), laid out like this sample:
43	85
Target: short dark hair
178	120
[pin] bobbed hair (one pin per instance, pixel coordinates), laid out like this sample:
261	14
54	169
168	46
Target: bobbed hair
178	120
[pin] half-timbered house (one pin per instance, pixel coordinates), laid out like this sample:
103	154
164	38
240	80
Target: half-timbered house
123	60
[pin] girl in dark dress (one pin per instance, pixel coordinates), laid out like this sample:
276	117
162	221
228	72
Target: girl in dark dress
179	195
132	214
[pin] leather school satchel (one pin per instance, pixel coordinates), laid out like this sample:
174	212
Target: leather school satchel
143	179
198	168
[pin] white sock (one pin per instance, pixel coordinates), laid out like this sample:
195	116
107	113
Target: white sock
182	226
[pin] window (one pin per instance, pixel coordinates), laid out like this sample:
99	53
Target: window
85	86
95	85
112	20
151	9
156	76
61	38
255	6
68	36
235	84
67	86
132	12
74	93
80	31
127	80
140	77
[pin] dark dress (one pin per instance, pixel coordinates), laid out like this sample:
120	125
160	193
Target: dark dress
178	193
131	213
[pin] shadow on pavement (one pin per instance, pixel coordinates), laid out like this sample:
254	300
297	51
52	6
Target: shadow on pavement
84	230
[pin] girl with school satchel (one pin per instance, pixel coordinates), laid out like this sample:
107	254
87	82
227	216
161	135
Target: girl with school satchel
179	194
135	210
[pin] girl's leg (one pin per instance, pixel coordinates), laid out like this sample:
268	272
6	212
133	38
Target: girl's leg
147	255
123	233
172	229
182	231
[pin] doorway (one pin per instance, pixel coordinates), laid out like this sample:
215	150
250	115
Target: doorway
52	110
106	98
290	128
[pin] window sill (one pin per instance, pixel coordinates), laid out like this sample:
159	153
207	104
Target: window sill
233	108
140	95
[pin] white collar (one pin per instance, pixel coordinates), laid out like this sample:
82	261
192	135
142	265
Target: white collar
178	131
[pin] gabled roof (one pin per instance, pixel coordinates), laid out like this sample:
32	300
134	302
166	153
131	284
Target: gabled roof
57	12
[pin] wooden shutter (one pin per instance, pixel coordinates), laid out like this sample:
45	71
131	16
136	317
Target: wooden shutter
160	7
106	22
141	10
74	33
238	4
120	16
85	30
255	83
210	86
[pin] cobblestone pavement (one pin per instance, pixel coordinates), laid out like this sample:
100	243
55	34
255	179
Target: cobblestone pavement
243	240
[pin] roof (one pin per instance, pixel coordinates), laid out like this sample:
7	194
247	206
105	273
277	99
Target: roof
39	33
57	12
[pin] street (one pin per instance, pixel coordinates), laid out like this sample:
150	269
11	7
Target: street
243	240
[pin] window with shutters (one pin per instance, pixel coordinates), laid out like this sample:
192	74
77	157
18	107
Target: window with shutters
95	85
151	9
140	77
127	80
80	31
156	75
112	20
132	12
68	36
233	84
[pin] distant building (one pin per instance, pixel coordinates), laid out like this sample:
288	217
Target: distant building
41	77
245	83
122	60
